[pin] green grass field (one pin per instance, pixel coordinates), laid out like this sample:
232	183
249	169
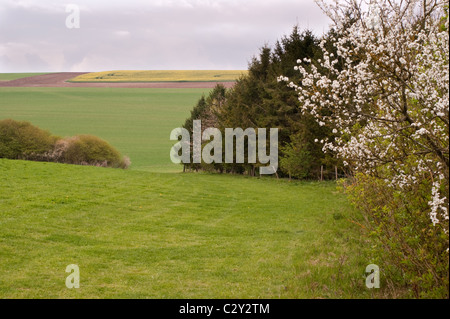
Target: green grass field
137	122
161	76
154	232
15	76
163	235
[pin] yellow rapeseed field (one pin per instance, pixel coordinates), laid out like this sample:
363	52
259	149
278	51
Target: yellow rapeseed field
161	76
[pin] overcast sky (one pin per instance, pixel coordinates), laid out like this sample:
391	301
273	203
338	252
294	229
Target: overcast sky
146	35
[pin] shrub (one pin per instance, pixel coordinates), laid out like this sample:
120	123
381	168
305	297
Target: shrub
296	160
126	162
90	150
405	238
388	110
22	140
57	153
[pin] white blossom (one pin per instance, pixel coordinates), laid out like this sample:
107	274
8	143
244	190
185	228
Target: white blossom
395	80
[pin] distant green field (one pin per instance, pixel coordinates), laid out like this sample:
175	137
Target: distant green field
161	76
15	76
137	234
137	122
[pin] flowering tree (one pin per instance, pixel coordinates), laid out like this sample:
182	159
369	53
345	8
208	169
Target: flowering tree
384	89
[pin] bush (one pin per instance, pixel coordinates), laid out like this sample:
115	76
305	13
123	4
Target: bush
22	140
406	240
296	160
388	110
90	150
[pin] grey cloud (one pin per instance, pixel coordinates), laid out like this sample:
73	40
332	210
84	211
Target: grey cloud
34	61
147	34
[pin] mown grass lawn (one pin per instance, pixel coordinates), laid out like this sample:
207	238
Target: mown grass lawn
138	234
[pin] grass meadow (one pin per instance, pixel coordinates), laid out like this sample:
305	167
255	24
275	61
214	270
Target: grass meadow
139	234
137	122
154	232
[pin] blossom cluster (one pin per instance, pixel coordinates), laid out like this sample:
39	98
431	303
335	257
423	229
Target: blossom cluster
384	90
